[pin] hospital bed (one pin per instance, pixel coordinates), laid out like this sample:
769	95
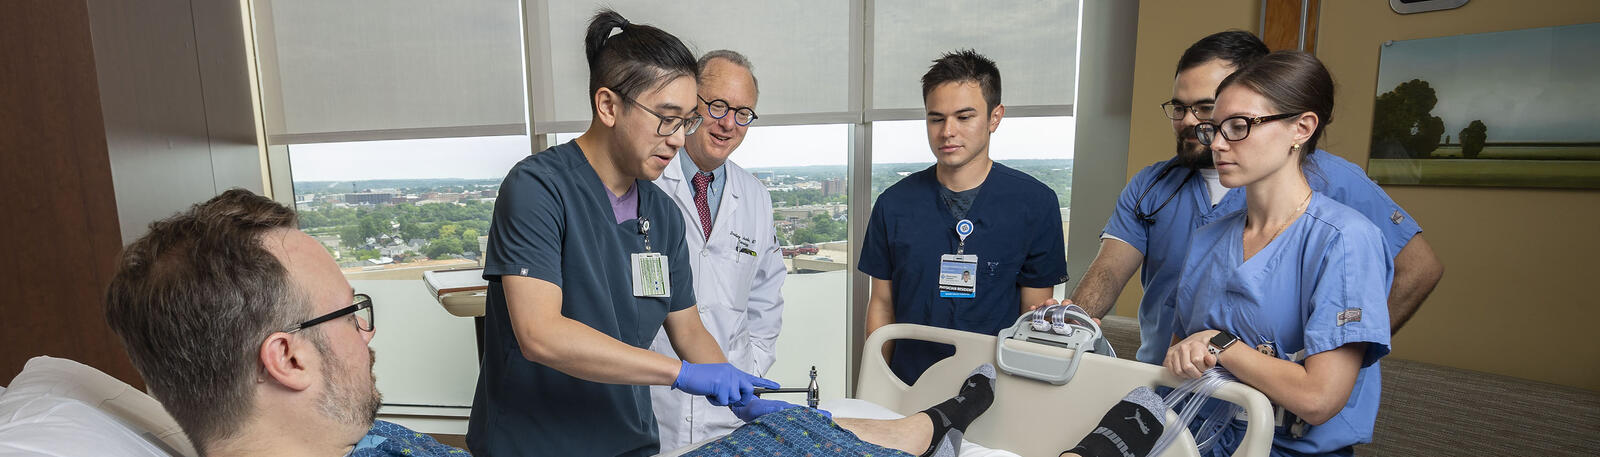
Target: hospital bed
1029	417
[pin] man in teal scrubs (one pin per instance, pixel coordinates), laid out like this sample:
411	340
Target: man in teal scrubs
586	262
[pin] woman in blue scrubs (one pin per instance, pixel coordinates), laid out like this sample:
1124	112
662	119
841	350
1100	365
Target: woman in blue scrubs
1290	294
586	262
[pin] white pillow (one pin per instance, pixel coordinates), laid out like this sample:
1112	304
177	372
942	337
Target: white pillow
58	407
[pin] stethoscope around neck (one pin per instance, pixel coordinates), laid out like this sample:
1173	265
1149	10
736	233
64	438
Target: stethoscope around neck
1138	205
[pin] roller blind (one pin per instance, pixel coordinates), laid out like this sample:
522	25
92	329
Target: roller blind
343	70
800	51
1034	42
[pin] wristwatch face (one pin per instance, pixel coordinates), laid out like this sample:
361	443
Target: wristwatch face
1221	341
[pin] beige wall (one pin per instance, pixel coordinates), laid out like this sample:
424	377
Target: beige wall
1518	261
1516	298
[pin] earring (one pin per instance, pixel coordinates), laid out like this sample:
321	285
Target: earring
1294	149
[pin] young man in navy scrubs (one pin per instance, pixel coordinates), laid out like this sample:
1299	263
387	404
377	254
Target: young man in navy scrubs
968	243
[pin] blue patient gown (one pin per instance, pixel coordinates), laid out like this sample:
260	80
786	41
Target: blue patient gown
389	439
792	432
1321	284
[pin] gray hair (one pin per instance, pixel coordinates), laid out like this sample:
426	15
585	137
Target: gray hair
733	57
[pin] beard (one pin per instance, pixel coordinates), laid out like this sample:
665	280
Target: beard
1193	155
347	399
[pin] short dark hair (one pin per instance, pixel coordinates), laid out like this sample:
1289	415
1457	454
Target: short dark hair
1237	47
965	65
1293	82
636	58
192	301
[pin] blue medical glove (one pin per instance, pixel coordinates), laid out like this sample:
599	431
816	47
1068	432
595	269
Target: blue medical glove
758	407
720	383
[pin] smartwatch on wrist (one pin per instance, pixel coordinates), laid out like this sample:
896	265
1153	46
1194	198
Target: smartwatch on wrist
1221	341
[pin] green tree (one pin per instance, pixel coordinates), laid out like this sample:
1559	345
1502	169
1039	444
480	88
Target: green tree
803	236
1403	118
371	227
824	228
1472	139
312	219
469	240
350	237
414	230
442	247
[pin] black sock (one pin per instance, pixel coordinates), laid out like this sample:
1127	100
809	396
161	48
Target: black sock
1129	429
951	418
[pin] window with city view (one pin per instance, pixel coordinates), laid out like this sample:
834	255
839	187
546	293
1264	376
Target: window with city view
383	216
389	211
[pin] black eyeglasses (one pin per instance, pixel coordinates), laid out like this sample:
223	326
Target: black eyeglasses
1176	111
669	124
1138	205
362	309
719	108
1235	128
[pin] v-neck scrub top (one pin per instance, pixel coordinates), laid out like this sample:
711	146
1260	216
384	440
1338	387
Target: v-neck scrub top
553	221
1165	242
1016	235
1321	284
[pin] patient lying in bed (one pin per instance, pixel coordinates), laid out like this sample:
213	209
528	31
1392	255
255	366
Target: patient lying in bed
1129	429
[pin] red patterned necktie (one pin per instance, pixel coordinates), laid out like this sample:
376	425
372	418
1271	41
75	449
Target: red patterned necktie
702	181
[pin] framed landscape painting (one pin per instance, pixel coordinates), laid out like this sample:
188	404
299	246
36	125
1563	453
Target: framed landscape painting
1505	109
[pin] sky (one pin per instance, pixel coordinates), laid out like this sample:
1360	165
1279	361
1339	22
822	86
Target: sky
491	157
1525	85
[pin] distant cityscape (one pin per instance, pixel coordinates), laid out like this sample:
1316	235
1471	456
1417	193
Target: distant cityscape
372	225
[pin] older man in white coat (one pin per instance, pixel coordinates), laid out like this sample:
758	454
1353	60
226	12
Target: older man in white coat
733	249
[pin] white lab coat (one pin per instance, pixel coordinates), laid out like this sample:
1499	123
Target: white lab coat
739	296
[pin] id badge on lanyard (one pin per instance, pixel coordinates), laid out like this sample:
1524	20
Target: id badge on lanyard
651	274
958	273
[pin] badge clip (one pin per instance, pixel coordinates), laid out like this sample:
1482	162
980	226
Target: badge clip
963	228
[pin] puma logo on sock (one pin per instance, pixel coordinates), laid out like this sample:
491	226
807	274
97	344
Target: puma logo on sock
1116	435
1140	419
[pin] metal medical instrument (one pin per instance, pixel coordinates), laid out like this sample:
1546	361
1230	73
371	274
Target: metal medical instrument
813	395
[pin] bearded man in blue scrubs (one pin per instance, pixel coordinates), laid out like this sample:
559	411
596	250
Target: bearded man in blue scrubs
1166	202
967	243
